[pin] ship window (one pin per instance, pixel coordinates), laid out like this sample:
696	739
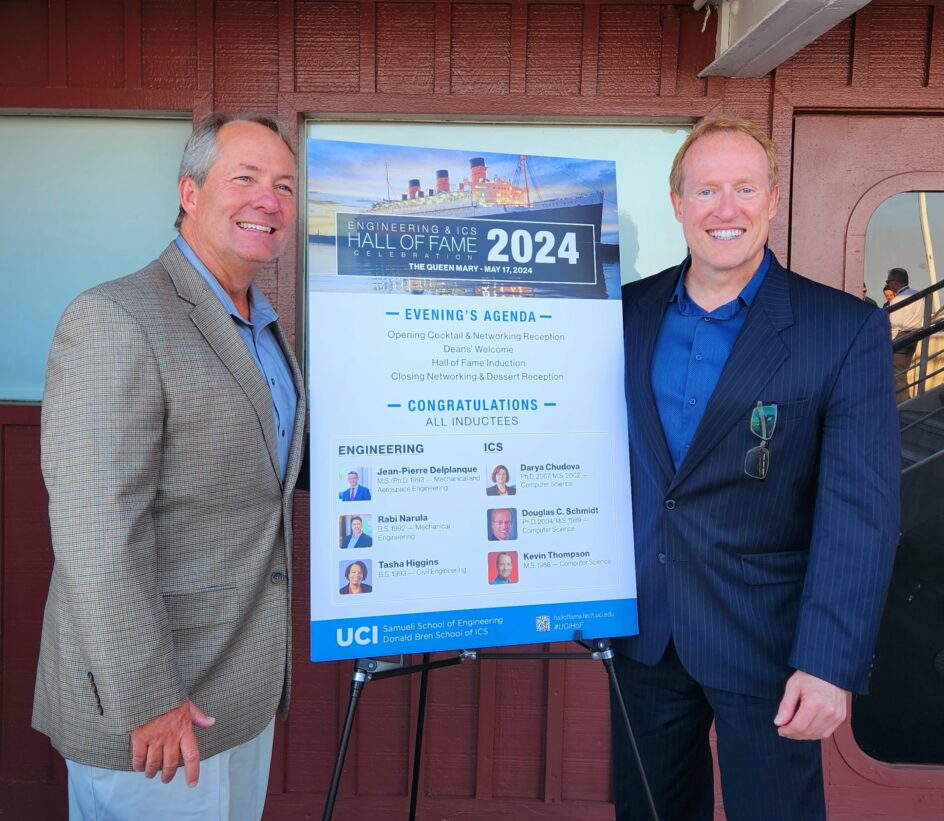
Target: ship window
901	720
87	199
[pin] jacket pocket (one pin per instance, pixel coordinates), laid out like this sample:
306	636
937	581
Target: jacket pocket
202	608
774	568
791	408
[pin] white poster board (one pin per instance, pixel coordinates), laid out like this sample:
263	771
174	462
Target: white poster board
470	479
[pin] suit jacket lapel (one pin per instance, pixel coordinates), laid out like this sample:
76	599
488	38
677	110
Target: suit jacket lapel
643	320
757	353
216	325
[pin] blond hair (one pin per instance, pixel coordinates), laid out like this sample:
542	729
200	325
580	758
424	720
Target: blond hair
718	125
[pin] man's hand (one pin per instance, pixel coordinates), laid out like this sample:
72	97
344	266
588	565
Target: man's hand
810	709
163	741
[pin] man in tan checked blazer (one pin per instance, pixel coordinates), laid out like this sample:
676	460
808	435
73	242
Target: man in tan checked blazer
172	433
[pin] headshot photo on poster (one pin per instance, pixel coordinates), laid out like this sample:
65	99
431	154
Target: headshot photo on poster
503	567
501	482
355	487
354	577
502	524
355	531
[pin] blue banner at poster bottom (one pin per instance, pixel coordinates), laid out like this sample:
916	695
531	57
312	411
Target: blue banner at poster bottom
400	634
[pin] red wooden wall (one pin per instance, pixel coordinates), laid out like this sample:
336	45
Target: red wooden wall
502	738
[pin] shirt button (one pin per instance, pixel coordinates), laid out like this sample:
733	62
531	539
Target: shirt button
670	504
278	577
691	401
272	381
707	319
661	558
698	357
283	433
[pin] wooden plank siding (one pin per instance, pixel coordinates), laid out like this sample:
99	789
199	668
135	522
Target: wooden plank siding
504	739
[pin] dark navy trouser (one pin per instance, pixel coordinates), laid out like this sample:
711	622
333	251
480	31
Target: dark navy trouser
763	776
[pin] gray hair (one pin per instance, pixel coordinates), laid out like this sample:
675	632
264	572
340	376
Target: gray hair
202	149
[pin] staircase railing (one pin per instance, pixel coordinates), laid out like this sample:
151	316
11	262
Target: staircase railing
927	366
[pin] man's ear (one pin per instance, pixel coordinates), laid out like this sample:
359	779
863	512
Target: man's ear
676	205
774	201
188	191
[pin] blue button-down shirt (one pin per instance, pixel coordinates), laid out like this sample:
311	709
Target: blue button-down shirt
265	349
691	350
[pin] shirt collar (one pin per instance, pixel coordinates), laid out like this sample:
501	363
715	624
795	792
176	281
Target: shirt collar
748	292
260	309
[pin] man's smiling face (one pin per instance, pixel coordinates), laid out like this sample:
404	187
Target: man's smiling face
726	204
243	216
501	523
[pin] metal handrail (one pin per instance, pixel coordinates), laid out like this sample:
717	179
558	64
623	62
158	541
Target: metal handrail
922	419
915	297
916	336
932	324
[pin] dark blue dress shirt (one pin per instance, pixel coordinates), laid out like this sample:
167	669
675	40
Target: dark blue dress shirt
691	350
264	346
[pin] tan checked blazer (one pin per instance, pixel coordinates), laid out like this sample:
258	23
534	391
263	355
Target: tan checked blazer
170	525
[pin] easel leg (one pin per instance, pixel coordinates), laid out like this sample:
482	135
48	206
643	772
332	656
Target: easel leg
366	669
614	686
418	745
357	684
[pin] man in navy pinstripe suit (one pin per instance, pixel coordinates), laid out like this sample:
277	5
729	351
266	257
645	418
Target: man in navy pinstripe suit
764	451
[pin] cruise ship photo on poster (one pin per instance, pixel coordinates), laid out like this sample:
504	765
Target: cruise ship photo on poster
406	219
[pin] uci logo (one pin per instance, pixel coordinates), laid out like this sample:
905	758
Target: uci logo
362	635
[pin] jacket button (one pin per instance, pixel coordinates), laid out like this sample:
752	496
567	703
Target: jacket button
278	577
670	504
661	558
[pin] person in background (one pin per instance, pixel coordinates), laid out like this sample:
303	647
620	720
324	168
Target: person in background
903	322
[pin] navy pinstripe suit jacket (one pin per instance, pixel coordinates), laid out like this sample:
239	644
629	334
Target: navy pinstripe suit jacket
753	579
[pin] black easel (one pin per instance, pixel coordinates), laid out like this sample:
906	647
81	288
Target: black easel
374	669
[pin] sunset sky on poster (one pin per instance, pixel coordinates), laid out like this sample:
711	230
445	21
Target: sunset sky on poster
352	176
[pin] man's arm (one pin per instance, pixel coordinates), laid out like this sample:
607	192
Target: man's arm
103	417
855	534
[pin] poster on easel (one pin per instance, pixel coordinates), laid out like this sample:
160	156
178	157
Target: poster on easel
470	482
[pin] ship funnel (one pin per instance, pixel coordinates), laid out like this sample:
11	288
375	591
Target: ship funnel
442	181
414	189
478	170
